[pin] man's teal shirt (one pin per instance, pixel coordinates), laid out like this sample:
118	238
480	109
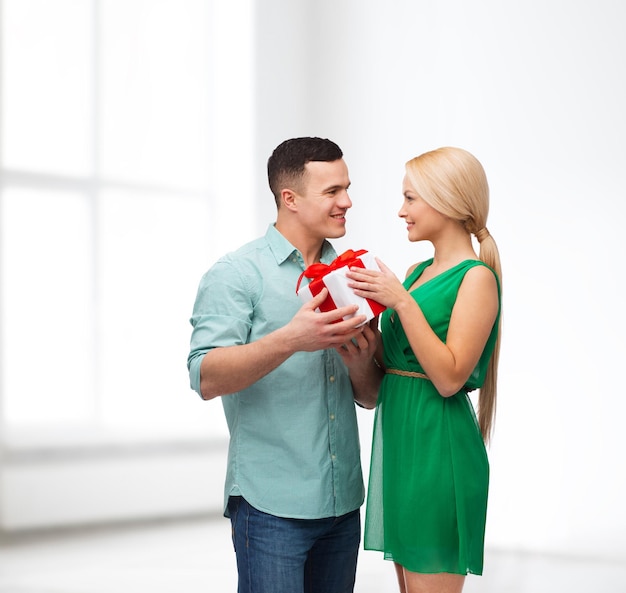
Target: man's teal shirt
294	443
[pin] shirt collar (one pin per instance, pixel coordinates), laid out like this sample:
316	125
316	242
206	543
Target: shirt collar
283	249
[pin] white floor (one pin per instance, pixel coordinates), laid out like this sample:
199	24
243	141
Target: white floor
195	556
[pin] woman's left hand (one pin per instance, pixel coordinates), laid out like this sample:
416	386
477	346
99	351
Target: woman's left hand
382	287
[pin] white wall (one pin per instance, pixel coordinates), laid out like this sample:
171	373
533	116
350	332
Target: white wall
111	483
535	90
125	445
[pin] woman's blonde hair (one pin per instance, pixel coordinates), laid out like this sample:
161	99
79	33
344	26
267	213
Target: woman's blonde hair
453	182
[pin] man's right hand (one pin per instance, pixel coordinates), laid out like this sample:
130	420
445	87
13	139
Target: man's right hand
229	369
310	330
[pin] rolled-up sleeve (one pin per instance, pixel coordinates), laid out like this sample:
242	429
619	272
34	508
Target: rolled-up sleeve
222	315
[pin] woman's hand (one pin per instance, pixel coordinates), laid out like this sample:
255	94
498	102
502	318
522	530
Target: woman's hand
382	287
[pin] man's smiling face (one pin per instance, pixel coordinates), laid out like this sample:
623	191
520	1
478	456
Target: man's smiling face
323	199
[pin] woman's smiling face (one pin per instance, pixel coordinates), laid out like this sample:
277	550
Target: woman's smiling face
422	220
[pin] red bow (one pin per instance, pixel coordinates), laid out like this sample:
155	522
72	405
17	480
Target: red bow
347	258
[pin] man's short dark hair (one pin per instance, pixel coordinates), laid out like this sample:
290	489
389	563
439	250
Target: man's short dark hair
285	167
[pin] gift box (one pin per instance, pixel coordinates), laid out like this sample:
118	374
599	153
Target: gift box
333	277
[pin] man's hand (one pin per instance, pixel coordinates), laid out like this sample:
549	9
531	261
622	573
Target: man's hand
232	368
310	330
359	356
359	352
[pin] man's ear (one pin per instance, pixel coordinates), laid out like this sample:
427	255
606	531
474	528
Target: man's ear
288	198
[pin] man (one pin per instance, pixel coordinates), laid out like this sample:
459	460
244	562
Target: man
293	484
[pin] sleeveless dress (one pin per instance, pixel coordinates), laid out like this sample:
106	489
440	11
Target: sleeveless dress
429	473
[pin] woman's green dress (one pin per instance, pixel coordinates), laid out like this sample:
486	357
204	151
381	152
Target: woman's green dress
429	474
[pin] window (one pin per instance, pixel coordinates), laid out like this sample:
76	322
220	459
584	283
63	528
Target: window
107	194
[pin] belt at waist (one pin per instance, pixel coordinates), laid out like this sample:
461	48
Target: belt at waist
407	374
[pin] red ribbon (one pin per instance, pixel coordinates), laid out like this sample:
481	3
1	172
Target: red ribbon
347	258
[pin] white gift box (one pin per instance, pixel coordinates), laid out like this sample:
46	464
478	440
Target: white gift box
340	293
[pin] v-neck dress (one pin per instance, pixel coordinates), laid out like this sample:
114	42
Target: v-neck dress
429	472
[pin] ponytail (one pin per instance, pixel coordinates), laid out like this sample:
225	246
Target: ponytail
488	392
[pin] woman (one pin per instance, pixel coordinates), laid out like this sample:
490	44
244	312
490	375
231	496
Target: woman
429	474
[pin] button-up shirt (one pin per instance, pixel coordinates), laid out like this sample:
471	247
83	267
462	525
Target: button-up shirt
294	445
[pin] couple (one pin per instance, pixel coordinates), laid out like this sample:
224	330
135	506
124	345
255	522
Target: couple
289	378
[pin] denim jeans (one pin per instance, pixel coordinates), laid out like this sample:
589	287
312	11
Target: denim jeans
278	555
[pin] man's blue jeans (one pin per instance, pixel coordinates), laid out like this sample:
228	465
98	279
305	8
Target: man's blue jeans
277	555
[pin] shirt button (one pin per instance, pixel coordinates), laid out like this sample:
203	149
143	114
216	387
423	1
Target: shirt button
331	378
332	416
333	457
